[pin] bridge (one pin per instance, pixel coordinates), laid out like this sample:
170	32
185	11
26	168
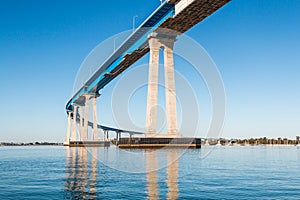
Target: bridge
158	31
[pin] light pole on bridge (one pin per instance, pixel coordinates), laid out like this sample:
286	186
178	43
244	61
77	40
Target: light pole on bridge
133	22
115	42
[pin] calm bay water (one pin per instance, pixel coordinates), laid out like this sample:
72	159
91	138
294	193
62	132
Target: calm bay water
239	172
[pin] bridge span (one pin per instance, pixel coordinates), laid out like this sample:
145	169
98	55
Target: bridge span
159	30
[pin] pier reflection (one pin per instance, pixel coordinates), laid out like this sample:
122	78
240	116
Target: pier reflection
151	166
82	165
81	174
172	174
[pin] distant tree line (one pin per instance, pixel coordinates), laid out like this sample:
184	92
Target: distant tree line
261	141
29	144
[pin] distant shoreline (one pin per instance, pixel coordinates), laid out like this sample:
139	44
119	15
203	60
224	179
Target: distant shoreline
31	144
61	144
248	145
205	142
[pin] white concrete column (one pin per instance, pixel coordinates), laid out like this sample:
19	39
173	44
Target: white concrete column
117	138
68	127
95	123
86	117
80	127
73	138
170	88
105	137
152	86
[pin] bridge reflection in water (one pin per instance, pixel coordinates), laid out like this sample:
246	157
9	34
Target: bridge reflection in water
82	169
172	174
81	175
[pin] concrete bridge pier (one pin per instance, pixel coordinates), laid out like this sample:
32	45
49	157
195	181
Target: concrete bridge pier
74	130
95	122
105	136
118	137
85	135
166	42
80	123
67	140
152	85
86	117
170	91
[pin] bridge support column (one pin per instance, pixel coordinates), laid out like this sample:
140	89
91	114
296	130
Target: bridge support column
105	137
130	138
118	136
152	86
73	138
68	128
95	123
86	117
80	127
168	44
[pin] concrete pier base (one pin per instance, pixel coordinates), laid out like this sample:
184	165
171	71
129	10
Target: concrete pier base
160	142
74	131
89	143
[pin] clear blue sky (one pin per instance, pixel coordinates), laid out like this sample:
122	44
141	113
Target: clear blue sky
255	44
